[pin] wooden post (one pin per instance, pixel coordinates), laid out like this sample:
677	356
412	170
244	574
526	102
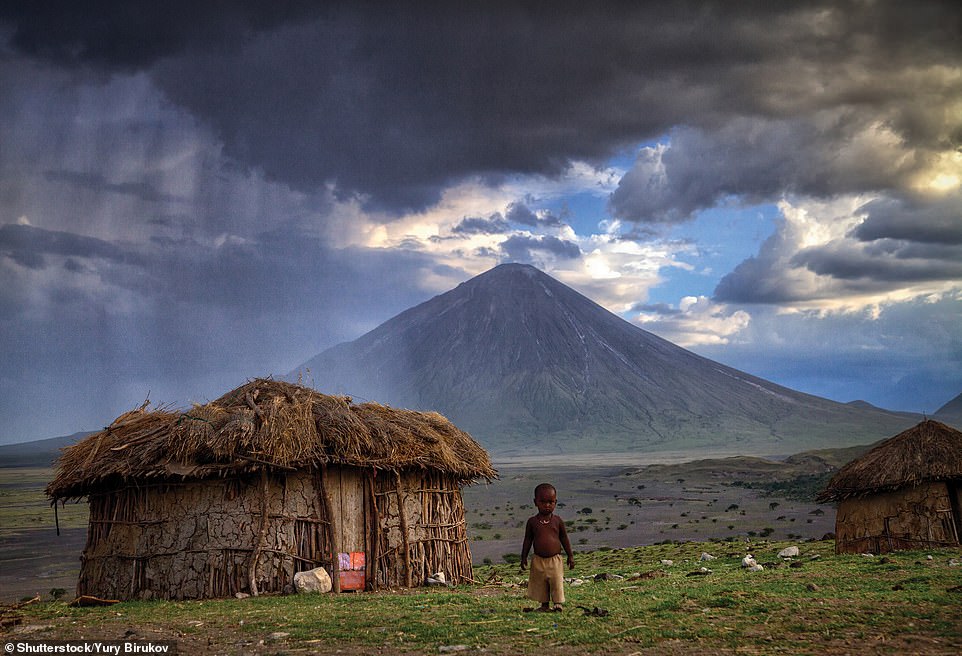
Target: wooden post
372	560
332	530
261	536
404	530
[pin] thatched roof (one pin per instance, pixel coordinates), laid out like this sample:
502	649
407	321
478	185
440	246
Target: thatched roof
930	451
265	423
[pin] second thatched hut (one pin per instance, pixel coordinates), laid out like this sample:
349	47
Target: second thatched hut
271	479
906	493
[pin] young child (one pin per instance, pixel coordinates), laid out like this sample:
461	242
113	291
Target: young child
546	532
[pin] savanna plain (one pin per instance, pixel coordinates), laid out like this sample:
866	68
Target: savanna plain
640	585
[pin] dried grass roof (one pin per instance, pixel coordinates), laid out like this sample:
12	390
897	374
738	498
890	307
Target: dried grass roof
265	423
929	451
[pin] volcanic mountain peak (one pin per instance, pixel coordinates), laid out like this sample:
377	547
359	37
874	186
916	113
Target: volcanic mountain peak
522	361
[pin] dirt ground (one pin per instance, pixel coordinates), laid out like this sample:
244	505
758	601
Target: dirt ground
36	561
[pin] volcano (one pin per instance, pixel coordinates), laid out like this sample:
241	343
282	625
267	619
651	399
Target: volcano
528	365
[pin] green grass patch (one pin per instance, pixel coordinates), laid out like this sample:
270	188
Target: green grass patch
824	606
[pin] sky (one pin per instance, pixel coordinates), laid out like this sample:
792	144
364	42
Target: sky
196	194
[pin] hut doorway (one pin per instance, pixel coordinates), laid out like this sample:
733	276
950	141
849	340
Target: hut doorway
344	488
955	500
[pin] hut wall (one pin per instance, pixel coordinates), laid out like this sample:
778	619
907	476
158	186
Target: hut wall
217	537
910	518
207	538
420	529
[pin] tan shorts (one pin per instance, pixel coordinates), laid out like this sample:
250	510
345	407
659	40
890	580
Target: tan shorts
546	579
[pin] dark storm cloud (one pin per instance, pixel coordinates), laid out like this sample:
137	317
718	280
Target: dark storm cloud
136	33
94	182
883	263
931	222
28	245
901	241
493	225
393	102
752	281
520	213
520	248
754	160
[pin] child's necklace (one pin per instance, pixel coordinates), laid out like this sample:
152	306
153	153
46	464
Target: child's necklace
545	521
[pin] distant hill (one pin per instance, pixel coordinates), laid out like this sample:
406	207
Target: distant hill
40	453
528	365
951	412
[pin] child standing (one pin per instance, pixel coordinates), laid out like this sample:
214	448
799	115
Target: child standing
546	532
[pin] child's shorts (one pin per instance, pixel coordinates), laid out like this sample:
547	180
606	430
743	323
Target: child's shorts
546	579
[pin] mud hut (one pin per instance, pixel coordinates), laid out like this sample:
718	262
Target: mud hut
905	493
241	493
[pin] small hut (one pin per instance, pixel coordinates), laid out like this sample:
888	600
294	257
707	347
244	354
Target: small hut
240	494
905	493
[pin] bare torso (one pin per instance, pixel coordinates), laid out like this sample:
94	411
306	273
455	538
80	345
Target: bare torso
546	535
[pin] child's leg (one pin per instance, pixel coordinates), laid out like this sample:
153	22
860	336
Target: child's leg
538	585
556	582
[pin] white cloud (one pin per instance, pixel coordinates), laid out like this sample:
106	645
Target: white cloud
696	322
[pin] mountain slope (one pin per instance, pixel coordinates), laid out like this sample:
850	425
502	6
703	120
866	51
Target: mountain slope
524	362
951	412
39	453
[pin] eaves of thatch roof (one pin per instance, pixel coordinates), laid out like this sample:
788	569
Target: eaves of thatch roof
929	451
265	424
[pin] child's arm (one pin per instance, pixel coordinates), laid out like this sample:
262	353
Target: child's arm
526	545
566	543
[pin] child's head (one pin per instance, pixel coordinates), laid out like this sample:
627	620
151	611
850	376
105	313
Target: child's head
545	498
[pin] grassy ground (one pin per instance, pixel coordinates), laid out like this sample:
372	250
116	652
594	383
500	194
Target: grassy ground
826	604
900	604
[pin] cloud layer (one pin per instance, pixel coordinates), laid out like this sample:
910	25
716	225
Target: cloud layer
191	194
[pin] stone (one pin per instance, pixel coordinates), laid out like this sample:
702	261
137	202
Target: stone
667	562
450	649
437	578
313	580
755	568
241	595
788	552
706	556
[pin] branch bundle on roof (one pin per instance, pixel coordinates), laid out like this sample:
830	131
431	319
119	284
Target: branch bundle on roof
265	423
930	451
